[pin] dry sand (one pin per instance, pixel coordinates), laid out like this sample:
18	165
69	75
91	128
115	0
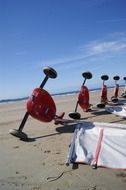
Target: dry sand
27	165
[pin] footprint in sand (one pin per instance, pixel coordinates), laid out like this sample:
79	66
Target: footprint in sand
47	151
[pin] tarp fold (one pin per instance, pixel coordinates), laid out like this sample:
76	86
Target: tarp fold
99	144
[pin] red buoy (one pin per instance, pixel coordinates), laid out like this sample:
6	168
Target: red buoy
41	106
83	98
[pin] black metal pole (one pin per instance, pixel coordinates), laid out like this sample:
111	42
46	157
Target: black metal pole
23	121
84	81
76	106
44	81
27	113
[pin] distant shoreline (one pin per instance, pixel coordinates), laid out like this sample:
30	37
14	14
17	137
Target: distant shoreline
55	94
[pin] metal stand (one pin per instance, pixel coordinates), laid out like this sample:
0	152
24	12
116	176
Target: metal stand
50	73
75	114
116	90
104	94
123	95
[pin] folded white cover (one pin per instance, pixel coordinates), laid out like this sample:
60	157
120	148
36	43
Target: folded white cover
100	144
119	111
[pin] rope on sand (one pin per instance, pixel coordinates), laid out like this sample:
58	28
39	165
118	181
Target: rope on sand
49	179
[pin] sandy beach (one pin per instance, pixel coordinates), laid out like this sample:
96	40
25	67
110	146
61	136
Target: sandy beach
28	165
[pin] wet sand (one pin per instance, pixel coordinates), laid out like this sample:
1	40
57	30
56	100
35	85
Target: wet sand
28	165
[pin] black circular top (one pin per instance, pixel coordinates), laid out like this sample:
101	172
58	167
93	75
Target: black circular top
87	75
50	72
124	78
116	77
104	77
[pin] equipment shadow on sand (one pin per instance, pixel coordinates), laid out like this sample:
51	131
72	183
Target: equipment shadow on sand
61	129
101	112
66	128
32	139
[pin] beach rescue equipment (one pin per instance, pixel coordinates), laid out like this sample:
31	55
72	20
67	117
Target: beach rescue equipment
116	90
104	98
83	97
40	106
123	95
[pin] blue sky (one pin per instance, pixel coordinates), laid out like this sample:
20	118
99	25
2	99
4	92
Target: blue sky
72	36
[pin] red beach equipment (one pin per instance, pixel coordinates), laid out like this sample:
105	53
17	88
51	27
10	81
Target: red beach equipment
40	106
104	98
116	90
83	97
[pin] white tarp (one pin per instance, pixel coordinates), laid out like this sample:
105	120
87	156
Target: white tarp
119	111
99	144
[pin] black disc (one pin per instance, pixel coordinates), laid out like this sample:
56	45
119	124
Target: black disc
104	77
50	72
101	105
116	77
124	78
74	115
87	75
114	99
19	134
123	95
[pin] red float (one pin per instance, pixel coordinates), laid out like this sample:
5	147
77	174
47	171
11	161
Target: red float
83	98
104	98
41	106
116	91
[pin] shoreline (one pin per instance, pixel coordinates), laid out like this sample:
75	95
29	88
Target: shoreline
69	93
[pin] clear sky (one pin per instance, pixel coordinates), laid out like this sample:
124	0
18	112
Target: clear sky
72	36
